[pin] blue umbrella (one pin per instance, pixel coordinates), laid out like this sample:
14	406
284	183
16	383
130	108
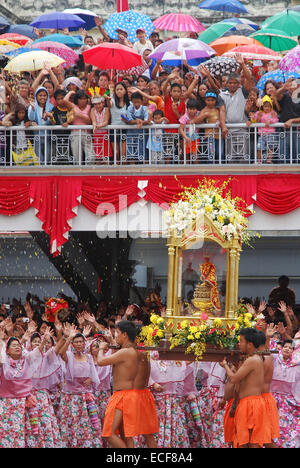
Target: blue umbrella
242	21
3	22
23	29
130	21
57	20
70	41
21	50
276	75
87	16
230	6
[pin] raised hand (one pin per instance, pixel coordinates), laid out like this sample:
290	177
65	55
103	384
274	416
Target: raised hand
262	306
251	309
86	330
271	330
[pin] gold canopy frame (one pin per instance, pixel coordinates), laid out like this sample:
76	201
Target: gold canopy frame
203	231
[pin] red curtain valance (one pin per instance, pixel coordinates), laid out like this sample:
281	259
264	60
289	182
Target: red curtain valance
56	199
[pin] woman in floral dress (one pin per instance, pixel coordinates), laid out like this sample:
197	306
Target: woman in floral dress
167	381
285	389
16	371
48	431
77	430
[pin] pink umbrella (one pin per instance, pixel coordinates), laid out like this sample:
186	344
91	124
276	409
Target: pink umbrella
61	50
178	22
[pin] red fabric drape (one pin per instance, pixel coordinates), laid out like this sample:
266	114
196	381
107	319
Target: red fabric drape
122	5
56	199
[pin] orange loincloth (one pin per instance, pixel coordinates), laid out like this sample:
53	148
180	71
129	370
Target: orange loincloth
147	417
251	422
228	423
127	402
272	414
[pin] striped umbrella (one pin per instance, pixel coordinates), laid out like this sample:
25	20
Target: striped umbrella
244	21
178	22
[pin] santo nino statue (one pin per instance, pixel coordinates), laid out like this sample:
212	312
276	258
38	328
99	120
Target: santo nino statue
206	296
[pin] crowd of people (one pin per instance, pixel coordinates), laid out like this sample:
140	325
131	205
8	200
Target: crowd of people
143	104
73	377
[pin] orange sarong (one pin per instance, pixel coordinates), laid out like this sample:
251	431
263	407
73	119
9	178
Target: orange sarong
147	422
127	402
228	423
272	414
251	422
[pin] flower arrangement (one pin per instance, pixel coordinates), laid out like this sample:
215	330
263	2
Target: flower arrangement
196	335
227	213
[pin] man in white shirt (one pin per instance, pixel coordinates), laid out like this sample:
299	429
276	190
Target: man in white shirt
142	42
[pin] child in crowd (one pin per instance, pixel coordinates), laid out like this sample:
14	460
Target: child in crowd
19	137
266	140
118	103
211	115
190	138
155	141
61	115
136	114
100	116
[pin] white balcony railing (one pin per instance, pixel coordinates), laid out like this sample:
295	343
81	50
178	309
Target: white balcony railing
151	145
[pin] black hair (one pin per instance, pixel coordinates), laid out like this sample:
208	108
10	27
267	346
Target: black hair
144	77
78	95
174	85
78	335
192	104
251	335
104	73
284	278
136	95
158	112
126	97
286	341
59	92
34	335
262	337
129	328
10	340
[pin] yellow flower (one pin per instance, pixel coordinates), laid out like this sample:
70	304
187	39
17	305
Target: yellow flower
247	323
231	219
221	219
197	335
237	326
184	324
240	319
193	329
248	316
217	322
202	328
160	334
160	320
208	208
153	319
190	337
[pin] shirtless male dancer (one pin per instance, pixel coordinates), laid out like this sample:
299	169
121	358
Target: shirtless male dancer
271	406
148	423
251	424
121	416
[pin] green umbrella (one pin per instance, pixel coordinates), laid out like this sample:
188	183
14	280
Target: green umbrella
215	31
287	21
275	39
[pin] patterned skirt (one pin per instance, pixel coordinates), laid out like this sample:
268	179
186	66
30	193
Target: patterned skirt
48	434
289	420
212	418
12	422
102	399
173	424
75	425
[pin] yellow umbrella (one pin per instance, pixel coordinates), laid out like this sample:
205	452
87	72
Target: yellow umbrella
32	61
7	46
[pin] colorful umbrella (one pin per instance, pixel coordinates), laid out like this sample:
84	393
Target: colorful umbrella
254	52
61	50
291	61
86	15
70	41
21	50
7	46
278	75
184	49
4	23
178	22
130	21
16	38
112	56
57	20
224	44
23	29
219	66
32	61
217	30
275	39
287	21
244	21
230	6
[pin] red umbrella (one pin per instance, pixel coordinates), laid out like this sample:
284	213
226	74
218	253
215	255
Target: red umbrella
178	22
254	52
16	38
112	56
